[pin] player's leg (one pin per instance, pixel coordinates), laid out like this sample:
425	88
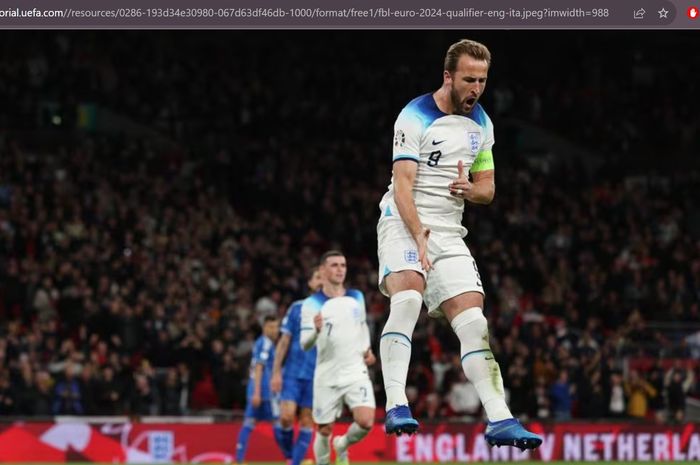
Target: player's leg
363	419
288	411
464	312
306	433
287	415
403	280
271	412
458	278
327	406
405	288
244	433
322	444
306	422
360	399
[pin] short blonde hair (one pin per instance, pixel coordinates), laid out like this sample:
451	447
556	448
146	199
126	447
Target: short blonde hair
474	49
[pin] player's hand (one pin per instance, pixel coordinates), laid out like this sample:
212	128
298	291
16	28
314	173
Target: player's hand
370	359
256	400
422	243
276	382
460	186
318	321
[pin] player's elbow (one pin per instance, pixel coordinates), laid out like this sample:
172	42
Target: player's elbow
306	340
488	195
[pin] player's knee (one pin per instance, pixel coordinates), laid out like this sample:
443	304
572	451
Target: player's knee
472	328
249	422
405	310
365	422
364	417
409	298
305	419
286	418
325	430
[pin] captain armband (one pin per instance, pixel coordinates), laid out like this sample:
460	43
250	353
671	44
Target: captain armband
483	162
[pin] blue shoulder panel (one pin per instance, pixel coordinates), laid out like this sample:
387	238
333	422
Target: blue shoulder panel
356	294
425	109
478	115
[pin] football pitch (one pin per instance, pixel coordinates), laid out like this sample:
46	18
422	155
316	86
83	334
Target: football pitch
395	463
487	463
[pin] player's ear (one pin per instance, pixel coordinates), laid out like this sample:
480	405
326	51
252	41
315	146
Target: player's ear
446	77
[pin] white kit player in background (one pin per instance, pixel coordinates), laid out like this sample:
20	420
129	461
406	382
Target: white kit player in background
438	137
334	320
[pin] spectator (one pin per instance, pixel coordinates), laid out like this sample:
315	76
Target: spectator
562	396
463	399
616	394
639	392
67	395
109	393
678	382
144	400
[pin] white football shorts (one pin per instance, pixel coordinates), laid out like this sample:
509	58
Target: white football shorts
454	269
328	400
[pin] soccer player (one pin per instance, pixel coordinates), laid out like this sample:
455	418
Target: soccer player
261	405
438	138
334	320
297	386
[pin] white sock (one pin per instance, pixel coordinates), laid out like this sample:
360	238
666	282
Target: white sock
322	449
354	434
395	345
479	364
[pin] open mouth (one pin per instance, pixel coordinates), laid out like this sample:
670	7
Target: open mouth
471	101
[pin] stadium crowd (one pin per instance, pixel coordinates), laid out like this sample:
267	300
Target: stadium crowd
134	273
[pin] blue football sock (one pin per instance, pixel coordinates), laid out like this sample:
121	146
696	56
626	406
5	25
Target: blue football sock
284	439
287	442
243	436
301	447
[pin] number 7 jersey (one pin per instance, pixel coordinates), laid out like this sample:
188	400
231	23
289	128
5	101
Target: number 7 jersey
436	141
342	340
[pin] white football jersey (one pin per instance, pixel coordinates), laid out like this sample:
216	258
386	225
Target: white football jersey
437	141
343	339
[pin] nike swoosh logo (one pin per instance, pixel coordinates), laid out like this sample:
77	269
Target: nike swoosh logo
488	358
438	142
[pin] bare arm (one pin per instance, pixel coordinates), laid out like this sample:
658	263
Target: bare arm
483	188
257	382
280	354
480	191
404	179
370	359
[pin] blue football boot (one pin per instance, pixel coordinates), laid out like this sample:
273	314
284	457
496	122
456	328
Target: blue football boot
510	432
399	420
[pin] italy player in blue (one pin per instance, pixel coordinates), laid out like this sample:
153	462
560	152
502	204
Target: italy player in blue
261	404
295	381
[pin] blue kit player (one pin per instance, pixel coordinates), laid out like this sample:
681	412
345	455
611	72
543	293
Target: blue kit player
261	404
295	381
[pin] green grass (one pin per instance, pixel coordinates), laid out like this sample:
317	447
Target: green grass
397	463
488	463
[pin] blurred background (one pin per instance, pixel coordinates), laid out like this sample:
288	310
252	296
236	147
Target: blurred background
161	192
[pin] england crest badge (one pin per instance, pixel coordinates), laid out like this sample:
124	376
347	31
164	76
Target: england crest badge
474	142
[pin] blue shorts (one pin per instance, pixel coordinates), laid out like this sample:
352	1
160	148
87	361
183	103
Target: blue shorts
300	391
268	410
